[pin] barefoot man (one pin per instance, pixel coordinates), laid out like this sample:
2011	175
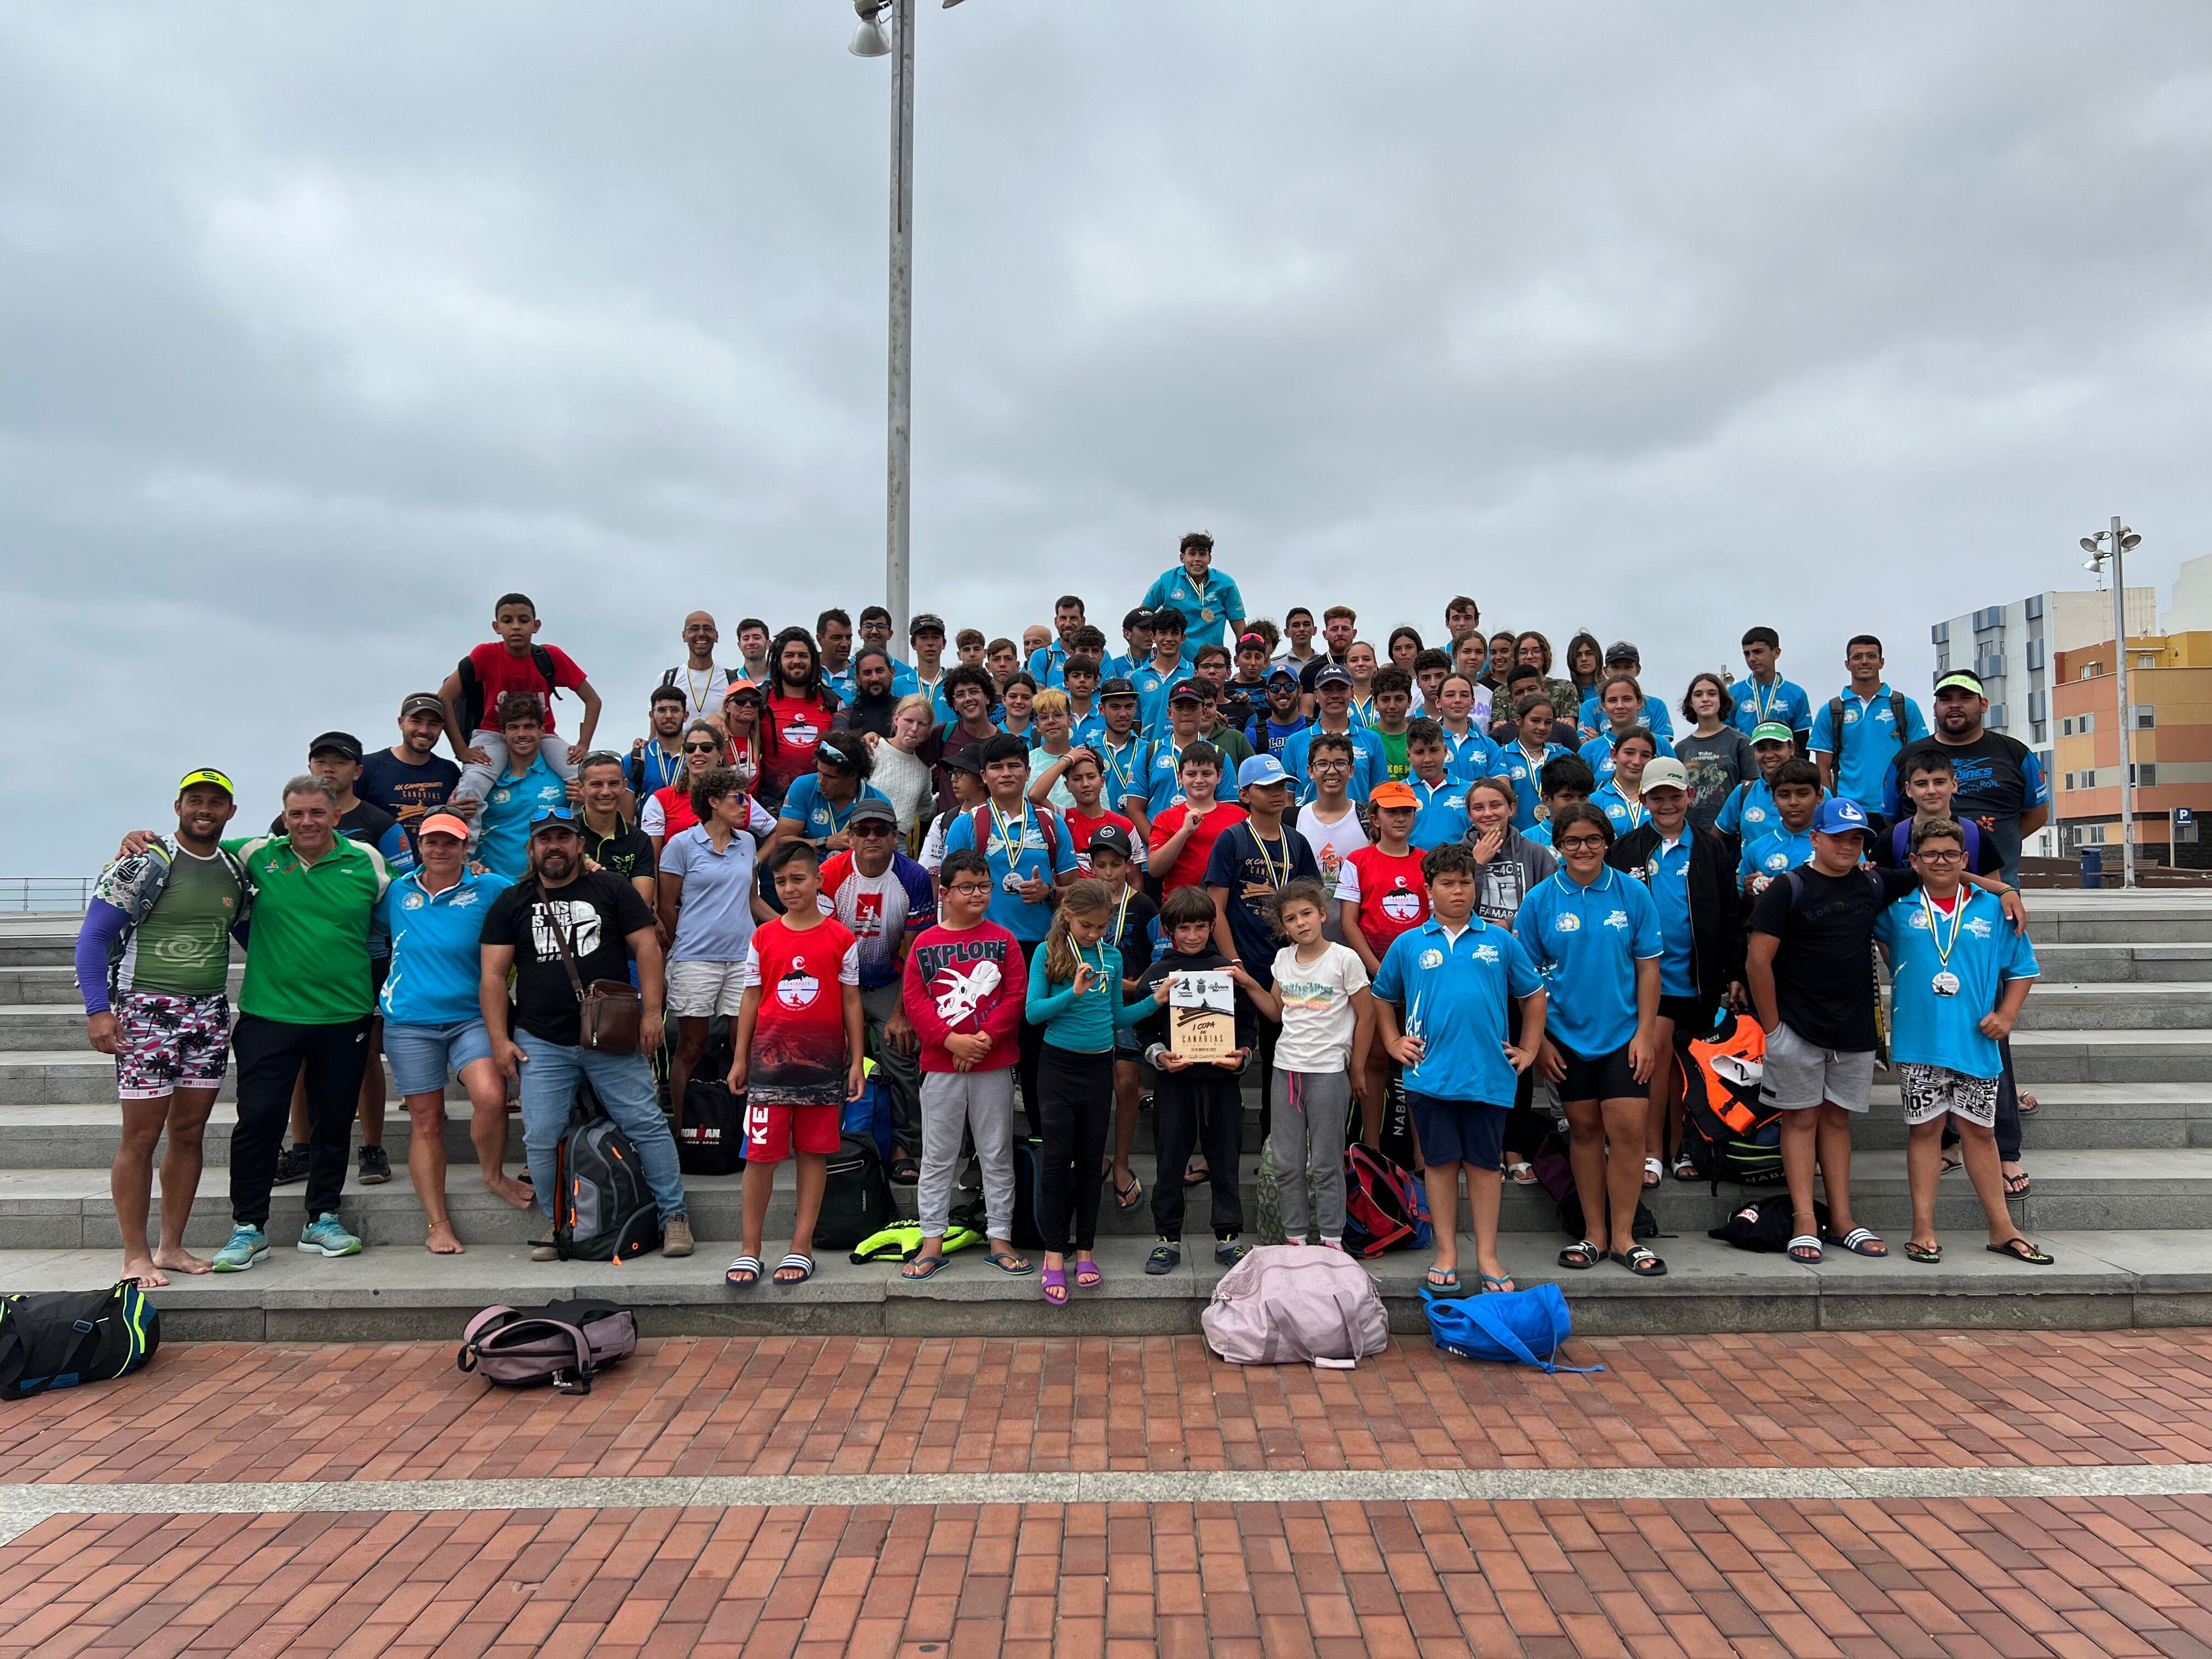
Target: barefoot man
153	960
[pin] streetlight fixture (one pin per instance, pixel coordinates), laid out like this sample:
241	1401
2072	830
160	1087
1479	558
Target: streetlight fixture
871	40
2113	544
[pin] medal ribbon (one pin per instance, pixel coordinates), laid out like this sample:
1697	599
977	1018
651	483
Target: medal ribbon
1943	946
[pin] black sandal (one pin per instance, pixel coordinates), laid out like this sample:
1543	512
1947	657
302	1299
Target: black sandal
904	1171
1584	1255
1639	1261
2019	1249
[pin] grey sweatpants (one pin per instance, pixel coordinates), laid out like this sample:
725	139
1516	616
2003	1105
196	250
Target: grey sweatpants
983	1103
1311	1111
478	777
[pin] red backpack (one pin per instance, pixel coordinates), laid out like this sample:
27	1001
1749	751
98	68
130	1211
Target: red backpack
1385	1207
979	823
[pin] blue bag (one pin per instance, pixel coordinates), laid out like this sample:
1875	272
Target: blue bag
870	1116
1513	1325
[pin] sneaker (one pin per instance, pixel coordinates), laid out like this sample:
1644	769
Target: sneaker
326	1235
1229	1252
291	1166
543	1250
675	1235
1166	1255
375	1167
247	1245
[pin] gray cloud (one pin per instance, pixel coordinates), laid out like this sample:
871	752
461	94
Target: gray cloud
323	326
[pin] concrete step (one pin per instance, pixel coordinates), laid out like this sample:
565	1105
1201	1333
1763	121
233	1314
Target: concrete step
2099	1281
2112	1055
2085	964
2116	918
2072	1190
2074	1117
42	985
2057	1005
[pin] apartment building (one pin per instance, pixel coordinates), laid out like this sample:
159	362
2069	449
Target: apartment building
2013	647
2170	732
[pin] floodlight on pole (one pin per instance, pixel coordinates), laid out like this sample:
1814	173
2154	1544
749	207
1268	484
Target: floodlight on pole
2112	544
869	40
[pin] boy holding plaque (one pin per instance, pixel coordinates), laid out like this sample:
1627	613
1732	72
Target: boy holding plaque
1199	1041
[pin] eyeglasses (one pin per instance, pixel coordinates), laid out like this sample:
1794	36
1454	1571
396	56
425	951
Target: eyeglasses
969	889
1581	844
1929	855
1328	766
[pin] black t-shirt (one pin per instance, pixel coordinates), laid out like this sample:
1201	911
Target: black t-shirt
409	794
1240	860
1153	1028
1994	773
1823	969
1135	941
1313	666
597	911
628	852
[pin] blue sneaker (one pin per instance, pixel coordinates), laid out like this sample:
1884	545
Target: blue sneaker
247	1245
326	1235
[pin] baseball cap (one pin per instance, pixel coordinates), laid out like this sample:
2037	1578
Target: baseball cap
963	760
335	743
1769	732
741	688
1117	687
442	823
1963	678
1260	771
422	702
1112	838
207	775
1393	794
1841	817
868	809
1665	774
1278	672
1186	691
1334	674
926	622
556	818
1622	650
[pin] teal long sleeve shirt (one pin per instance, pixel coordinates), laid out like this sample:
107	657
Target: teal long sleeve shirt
1084	1024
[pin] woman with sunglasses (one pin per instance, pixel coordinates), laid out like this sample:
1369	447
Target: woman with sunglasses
741	713
667	812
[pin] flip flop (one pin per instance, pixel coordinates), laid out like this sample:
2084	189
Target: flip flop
2019	1191
2021	1250
2027	1105
1007	1262
804	1264
1640	1261
1927	1254
1685	1170
930	1265
1523	1174
1056	1278
1198	1178
1088	1276
1127	1197
750	1266
1443	1278
1584	1255
1653	1172
1805	1249
1859	1241
1491	1282
905	1171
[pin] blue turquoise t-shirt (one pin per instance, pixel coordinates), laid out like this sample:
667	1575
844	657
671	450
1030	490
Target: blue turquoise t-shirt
1126	770
1756	704
1442	818
1452	993
437	959
1017	848
1667	878
1586	942
1779	849
1749	812
1610	801
504	845
1152	688
1598	752
1369	764
1987	950
1206	606
1471	756
1525	775
1866	743
817	819
1654	718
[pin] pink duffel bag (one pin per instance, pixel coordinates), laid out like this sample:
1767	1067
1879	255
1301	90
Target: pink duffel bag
563	1343
1296	1304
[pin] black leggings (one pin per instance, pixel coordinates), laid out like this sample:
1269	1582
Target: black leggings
1029	1040
1076	1093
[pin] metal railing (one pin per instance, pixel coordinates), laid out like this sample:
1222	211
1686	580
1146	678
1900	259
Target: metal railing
21	893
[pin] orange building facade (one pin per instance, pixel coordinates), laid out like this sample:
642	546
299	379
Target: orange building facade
2169	690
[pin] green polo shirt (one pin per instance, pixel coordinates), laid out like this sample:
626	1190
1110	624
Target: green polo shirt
307	957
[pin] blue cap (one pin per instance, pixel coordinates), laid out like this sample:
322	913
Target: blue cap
545	815
1261	770
1839	817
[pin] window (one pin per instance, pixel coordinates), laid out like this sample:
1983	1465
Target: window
2091	670
1996	720
2068	784
2039	708
2145	717
2041	732
2145	776
2094	834
2085	723
2033	609
1990	617
1940	633
2145	659
2066	727
2035	654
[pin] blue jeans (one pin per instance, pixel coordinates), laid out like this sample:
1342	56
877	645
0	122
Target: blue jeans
623	1084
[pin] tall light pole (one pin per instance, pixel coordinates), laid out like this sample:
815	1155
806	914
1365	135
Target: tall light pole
871	40
2114	544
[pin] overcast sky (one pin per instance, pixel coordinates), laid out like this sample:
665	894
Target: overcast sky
320	326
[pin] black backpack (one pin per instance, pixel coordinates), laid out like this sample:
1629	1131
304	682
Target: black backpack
1763	1224
710	1120
856	1202
1729	1132
58	1339
1836	718
472	698
603	1211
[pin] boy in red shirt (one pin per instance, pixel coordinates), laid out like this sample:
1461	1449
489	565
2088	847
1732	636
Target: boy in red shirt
1086	784
964	986
1381	894
1183	834
514	662
800	1057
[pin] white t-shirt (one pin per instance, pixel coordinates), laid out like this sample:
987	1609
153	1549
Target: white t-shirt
1317	1017
932	844
702	690
1331	842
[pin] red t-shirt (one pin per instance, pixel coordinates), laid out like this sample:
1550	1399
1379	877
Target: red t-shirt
798	724
798	1036
1189	867
500	671
675	813
1081	828
1393	898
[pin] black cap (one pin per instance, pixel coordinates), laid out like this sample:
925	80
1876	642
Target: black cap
1186	691
1112	838
869	810
1333	674
963	760
1117	687
928	621
422	703
1622	650
337	743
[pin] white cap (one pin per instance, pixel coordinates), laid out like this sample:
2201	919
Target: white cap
1663	772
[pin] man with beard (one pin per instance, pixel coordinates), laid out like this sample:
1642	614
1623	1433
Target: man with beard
606	926
2002	788
410	780
657	761
875	699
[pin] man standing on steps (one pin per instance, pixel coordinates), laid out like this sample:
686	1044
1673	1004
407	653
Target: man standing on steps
697	677
306	1003
152	961
411	780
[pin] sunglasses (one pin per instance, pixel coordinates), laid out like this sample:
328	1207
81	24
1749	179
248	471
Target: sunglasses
700	748
875	827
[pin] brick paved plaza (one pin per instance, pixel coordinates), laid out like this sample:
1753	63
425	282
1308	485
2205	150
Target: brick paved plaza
2035	1493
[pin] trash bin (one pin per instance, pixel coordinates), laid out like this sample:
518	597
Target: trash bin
2092	868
